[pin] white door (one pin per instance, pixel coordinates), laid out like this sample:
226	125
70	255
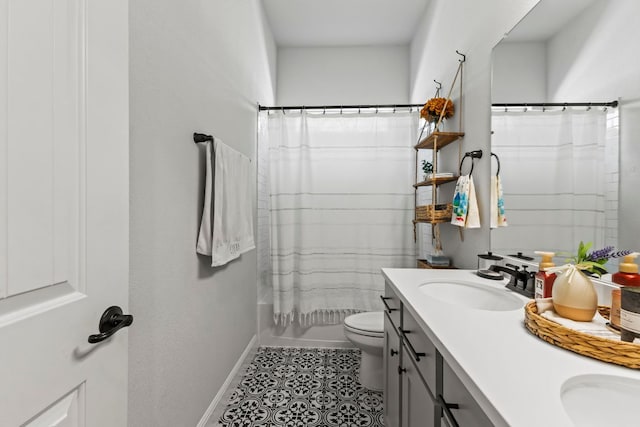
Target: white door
63	211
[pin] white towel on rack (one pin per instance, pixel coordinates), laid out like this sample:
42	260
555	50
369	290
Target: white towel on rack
498	218
226	228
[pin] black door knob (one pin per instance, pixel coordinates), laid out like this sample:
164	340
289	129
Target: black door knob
112	321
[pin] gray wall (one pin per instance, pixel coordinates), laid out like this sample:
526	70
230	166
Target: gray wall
519	72
194	66
343	75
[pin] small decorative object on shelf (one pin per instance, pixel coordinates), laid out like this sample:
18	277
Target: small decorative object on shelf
435	107
574	296
427	167
434	213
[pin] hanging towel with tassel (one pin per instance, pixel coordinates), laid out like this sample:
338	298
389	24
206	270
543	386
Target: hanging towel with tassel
226	229
498	217
465	204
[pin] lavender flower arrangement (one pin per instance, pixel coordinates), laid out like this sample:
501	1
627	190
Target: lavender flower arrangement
594	261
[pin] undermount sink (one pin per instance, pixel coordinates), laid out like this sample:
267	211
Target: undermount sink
473	296
600	400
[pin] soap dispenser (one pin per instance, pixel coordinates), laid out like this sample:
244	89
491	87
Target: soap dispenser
544	280
627	276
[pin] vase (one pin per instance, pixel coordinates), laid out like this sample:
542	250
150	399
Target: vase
574	296
433	121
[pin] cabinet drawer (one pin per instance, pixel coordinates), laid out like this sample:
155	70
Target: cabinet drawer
468	413
420	350
392	305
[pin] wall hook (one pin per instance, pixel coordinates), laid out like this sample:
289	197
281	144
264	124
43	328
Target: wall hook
464	57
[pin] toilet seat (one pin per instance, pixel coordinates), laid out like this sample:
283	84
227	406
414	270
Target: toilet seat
369	324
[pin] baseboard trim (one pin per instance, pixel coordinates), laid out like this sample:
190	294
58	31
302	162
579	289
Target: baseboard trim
218	397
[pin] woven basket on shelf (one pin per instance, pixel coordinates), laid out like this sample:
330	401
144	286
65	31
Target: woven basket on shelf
434	212
611	351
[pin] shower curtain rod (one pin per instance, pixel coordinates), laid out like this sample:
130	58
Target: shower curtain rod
336	107
613	104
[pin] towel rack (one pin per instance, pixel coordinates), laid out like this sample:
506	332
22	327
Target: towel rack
497	160
201	137
476	154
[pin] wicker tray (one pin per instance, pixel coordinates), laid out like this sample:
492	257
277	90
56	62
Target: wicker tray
434	212
618	352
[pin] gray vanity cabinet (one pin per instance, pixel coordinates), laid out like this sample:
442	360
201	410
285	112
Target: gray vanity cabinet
409	374
418	381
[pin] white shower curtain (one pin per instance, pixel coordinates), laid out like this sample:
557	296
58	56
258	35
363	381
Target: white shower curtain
341	206
554	176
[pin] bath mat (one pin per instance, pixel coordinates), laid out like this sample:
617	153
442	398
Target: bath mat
303	387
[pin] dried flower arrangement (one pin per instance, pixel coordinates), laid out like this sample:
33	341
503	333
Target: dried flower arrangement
434	106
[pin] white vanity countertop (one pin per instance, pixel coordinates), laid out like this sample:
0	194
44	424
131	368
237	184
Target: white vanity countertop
515	376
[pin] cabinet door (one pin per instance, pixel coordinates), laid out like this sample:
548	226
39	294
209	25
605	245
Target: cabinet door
469	413
417	403
391	360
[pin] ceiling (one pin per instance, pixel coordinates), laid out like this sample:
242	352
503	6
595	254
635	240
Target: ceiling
313	23
546	19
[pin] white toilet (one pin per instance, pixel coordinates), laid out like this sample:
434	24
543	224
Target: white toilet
366	331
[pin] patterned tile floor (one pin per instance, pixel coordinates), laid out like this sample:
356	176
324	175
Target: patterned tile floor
303	387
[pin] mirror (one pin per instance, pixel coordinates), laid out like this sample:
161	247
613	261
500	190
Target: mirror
568	175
